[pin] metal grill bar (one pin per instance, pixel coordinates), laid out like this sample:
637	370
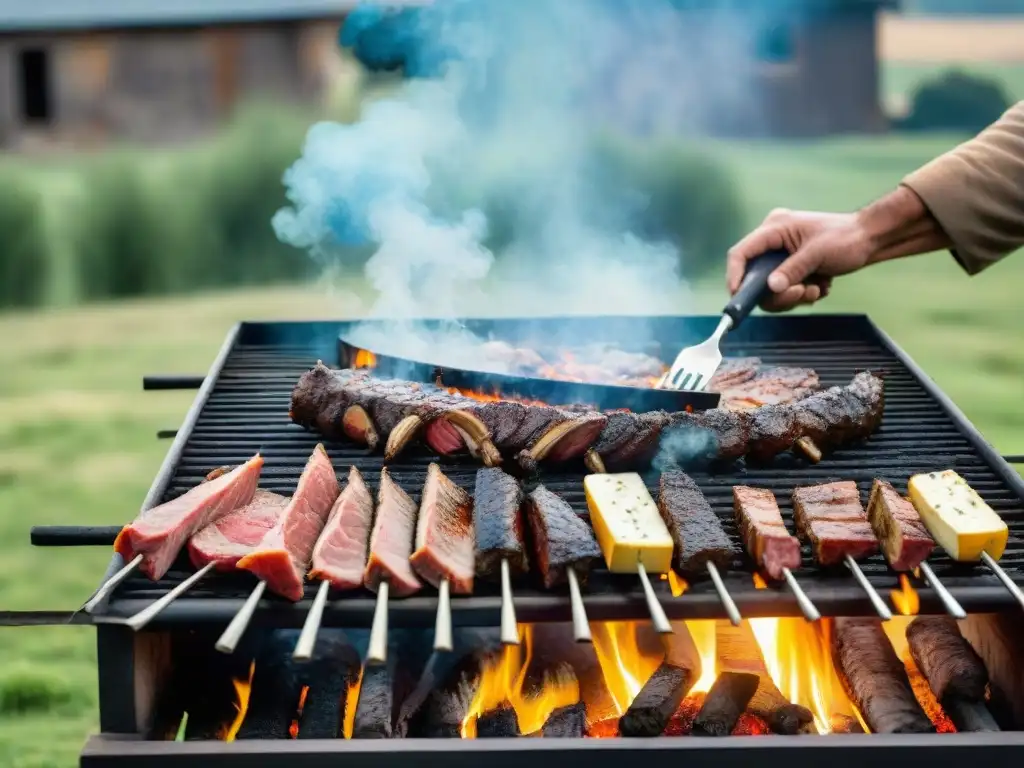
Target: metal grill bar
243	402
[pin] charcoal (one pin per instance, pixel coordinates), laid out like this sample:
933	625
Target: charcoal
725	703
375	710
500	723
275	692
566	722
328	675
788	719
446	706
875	679
649	713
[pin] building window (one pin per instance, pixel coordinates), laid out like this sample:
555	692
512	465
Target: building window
34	79
777	44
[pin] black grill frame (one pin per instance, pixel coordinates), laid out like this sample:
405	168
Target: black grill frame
951	440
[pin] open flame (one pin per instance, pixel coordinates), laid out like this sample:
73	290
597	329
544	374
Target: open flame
293	727
676	583
905	598
365	359
351	702
503	682
242	690
798	657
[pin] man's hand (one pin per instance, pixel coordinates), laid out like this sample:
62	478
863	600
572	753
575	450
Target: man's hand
822	246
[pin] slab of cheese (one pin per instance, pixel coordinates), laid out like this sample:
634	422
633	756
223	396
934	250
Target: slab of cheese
627	523
956	516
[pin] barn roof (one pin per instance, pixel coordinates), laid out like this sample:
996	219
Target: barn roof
24	15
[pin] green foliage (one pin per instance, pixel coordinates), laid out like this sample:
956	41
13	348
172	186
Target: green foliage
24	253
955	101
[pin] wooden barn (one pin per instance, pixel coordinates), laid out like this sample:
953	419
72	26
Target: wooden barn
154	70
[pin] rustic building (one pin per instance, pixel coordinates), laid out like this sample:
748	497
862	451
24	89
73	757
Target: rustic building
144	70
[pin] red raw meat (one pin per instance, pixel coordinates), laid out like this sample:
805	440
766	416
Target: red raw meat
340	554
391	541
159	533
282	558
237	534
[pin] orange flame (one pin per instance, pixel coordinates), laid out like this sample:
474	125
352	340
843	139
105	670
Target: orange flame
798	657
365	359
242	690
905	598
676	583
896	631
759	582
502	681
293	729
351	703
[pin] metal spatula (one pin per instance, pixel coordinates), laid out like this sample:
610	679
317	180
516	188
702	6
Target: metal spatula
695	365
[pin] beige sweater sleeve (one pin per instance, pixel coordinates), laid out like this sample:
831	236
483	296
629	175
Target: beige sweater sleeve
976	192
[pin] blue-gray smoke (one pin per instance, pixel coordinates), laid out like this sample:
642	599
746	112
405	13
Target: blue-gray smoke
505	100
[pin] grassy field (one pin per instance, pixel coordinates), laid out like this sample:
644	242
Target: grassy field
77	434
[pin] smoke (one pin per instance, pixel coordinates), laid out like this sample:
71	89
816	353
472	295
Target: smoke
492	146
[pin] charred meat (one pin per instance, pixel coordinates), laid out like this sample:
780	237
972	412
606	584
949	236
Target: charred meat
903	537
764	533
444	534
158	534
498	523
831	517
696	530
775	386
283	556
391	540
340	554
561	539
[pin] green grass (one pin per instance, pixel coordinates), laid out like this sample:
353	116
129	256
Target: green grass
77	435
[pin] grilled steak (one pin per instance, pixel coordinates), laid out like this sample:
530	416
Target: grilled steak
391	540
444	534
498	523
282	557
948	662
831	517
355	405
238	533
340	553
764	534
732	372
561	539
904	539
775	386
875	679
696	530
158	534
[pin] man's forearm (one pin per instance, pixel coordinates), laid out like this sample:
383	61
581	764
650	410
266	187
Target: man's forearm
900	225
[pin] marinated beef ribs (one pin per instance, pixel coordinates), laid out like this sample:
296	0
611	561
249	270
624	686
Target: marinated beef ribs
561	539
391	541
764	533
875	679
696	530
158	534
490	429
903	537
238	533
498	523
339	556
283	556
831	517
444	534
948	662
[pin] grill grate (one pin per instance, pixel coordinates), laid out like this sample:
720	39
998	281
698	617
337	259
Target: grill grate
246	410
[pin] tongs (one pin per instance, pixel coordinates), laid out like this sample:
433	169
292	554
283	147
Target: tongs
695	365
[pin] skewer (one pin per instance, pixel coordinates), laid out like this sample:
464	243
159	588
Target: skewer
658	617
806	606
953	608
147	614
233	634
876	600
377	650
443	623
307	639
509	632
997	569
580	624
111	584
723	595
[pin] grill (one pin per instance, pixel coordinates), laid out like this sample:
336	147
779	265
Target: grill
243	403
242	407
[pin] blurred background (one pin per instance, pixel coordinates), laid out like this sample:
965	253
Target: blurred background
159	181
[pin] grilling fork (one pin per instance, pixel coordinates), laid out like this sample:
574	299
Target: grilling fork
695	365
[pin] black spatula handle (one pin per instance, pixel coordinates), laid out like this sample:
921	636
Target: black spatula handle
754	286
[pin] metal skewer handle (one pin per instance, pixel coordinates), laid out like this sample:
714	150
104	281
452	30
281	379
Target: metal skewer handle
111	584
953	608
580	624
1004	577
307	639
233	634
147	614
509	631
658	617
377	650
876	599
723	594
808	609
443	623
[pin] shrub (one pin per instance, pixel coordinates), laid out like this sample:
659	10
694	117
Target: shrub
24	250
955	101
